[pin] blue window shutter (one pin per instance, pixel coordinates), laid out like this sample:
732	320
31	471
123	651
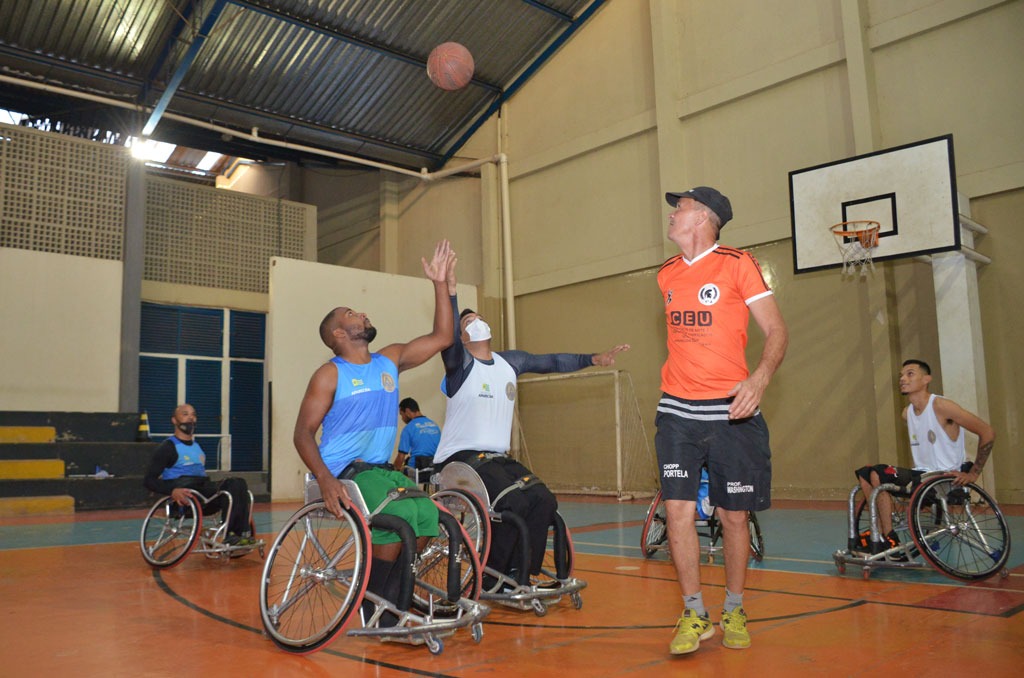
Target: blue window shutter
246	425
248	335
202	390
158	391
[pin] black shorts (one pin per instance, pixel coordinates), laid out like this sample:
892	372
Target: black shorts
697	433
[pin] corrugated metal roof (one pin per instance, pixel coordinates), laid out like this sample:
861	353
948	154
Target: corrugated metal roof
344	75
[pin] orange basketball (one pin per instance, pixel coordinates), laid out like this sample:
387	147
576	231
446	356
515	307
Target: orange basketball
450	66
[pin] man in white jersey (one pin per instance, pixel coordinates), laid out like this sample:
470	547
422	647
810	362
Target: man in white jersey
936	427
481	388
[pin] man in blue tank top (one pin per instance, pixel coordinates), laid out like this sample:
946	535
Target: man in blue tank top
179	465
354	397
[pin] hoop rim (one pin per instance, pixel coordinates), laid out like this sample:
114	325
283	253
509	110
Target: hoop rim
872	226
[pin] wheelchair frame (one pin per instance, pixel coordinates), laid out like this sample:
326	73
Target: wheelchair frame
464	494
170	532
959	531
654	535
325	568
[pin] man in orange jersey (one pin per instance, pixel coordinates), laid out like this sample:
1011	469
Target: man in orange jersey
708	414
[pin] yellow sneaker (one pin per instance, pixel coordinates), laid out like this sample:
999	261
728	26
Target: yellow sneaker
734	626
690	630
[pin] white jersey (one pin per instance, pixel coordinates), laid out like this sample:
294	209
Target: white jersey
479	415
930	445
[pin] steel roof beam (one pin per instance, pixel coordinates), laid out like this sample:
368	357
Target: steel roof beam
186	63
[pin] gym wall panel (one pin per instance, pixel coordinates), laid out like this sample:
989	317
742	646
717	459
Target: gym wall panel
301	294
60	335
961	78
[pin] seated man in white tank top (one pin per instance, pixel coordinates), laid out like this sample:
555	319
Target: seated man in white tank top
936	427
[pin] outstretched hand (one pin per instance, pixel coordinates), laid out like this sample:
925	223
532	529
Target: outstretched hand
437	269
607	359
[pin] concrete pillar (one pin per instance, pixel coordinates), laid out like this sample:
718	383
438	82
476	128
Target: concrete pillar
133	260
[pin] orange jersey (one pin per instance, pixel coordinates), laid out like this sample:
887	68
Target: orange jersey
706	309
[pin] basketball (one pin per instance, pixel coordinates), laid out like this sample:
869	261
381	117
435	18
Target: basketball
450	66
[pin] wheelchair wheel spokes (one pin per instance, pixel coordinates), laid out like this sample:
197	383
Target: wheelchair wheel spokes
756	540
170	532
959	530
314	577
431	591
474	517
654	533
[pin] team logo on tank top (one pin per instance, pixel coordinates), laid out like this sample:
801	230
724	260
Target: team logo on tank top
708	294
510	391
387	382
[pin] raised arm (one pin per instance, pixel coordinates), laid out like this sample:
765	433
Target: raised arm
947	410
547	363
419	350
748	393
315	405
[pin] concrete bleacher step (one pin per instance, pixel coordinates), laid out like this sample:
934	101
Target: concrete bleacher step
19	507
27	434
29	469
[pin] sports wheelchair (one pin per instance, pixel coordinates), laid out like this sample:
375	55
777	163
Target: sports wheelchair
463	493
960	531
654	536
315	578
171	531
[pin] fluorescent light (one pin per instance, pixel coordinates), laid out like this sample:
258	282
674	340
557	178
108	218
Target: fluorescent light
208	161
151	151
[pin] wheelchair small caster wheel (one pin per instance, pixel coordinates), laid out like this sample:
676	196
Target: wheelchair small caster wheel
539	608
478	632
841	567
711	559
433	644
577	600
866	572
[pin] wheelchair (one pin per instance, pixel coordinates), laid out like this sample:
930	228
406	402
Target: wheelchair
315	578
959	531
654	536
171	531
463	494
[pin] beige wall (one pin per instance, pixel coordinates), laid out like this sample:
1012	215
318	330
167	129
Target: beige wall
60	336
660	101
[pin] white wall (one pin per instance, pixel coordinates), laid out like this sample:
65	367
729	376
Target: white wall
60	332
301	294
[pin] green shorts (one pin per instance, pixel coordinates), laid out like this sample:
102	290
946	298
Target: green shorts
419	512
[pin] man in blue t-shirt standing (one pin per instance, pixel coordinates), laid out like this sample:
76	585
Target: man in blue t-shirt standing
419	438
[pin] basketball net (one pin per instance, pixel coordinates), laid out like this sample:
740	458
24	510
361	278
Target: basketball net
856	241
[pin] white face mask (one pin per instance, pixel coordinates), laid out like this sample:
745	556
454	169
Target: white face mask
478	330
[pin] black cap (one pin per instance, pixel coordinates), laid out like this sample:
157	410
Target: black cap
707	196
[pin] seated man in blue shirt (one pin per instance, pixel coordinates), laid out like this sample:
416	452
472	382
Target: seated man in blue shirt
419	438
179	465
354	397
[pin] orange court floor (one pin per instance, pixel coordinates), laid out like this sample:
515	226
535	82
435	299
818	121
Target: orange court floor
80	601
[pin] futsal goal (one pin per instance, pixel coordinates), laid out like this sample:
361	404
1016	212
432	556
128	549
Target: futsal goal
583	433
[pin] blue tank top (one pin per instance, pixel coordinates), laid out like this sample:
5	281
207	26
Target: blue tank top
363	420
191	461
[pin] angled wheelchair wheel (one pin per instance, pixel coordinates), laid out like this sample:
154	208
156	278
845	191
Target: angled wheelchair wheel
170	532
559	556
314	577
654	533
959	530
470	511
447	569
756	539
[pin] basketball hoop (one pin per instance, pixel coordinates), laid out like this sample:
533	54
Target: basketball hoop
856	241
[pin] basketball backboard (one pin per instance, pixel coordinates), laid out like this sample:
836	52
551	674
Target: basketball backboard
910	190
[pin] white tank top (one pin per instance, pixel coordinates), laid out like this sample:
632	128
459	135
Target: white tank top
929	443
479	415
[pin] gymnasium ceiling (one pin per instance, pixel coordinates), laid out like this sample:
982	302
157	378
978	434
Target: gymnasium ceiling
346	76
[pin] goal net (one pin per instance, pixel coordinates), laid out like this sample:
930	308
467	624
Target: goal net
583	433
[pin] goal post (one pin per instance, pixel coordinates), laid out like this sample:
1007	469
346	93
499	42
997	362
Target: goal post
583	433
